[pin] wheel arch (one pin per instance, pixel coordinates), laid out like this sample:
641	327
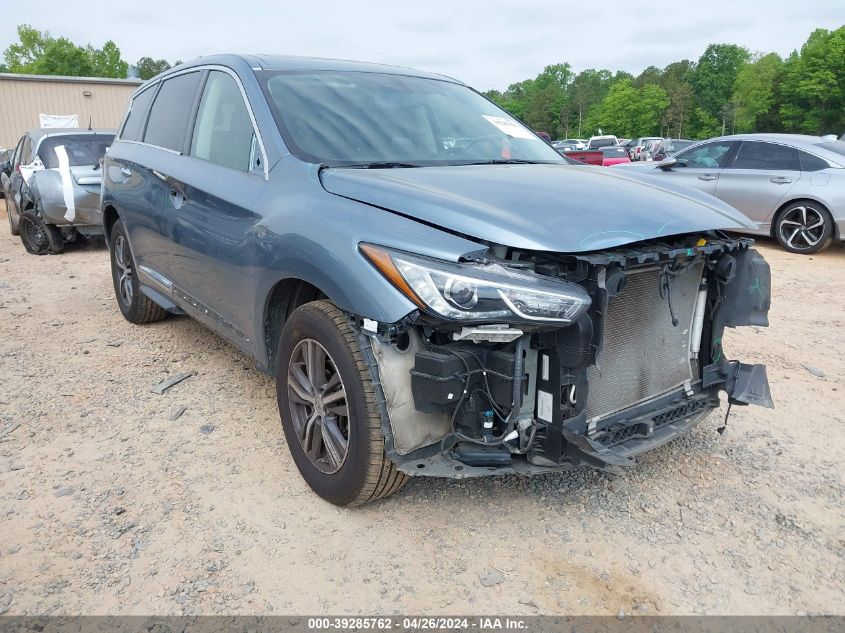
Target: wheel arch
110	216
285	296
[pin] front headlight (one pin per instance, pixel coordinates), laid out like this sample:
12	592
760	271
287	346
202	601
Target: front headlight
475	292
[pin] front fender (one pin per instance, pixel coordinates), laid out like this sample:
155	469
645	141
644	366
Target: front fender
313	235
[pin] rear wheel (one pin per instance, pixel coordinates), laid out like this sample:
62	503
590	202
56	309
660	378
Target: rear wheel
328	408
804	227
135	306
38	237
13	221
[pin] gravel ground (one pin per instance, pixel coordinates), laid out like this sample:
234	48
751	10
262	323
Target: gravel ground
113	503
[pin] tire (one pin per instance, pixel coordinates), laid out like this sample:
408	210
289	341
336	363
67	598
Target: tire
135	306
13	223
38	237
363	473
804	227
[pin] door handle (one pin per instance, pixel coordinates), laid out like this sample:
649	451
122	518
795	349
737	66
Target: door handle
707	177
177	197
780	180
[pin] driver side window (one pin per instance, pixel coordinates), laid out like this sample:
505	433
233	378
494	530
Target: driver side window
707	156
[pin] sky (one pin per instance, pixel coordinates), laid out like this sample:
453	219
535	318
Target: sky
487	44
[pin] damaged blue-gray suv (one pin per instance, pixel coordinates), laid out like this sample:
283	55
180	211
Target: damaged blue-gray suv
435	289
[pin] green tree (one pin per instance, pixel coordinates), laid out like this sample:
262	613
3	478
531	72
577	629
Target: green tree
62	57
106	62
813	89
588	89
715	75
631	111
149	67
754	94
38	52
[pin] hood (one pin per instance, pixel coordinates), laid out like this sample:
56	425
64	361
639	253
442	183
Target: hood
547	207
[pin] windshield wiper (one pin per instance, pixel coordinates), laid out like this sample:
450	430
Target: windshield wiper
510	161
378	165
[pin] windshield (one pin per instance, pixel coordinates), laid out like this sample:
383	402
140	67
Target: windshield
360	118
82	149
598	143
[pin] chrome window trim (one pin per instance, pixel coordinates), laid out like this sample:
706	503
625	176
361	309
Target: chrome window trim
164	149
234	75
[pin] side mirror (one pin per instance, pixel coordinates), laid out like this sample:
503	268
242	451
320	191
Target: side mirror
6	166
667	163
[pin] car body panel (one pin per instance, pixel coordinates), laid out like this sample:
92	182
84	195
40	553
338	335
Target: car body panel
47	187
569	209
758	193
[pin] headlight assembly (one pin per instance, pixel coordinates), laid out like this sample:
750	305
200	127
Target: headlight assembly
476	292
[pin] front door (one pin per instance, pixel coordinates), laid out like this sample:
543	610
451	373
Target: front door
212	202
700	166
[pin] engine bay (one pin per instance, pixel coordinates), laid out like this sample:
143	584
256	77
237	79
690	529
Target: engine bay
641	365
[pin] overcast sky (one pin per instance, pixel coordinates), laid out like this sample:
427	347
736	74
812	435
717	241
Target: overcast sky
487	44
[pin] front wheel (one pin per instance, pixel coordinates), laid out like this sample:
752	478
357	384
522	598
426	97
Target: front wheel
38	237
327	403
804	227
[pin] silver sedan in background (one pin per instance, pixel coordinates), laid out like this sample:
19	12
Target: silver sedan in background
791	186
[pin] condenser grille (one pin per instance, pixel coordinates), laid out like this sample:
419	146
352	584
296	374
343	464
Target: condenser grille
644	356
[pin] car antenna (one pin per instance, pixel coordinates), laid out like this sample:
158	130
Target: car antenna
89	123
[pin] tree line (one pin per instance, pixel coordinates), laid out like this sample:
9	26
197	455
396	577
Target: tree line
727	90
39	53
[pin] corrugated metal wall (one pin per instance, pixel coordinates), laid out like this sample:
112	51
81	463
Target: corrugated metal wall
22	100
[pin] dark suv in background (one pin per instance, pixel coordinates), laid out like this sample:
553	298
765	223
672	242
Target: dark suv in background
435	289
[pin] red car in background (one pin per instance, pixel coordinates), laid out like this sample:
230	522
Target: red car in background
614	156
605	156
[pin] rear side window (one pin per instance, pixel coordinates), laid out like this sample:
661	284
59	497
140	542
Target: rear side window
811	163
223	131
171	111
134	126
765	156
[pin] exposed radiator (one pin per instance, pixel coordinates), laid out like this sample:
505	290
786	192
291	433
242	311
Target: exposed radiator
644	356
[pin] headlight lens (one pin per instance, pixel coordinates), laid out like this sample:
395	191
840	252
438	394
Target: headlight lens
475	292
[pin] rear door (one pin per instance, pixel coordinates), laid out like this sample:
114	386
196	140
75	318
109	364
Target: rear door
140	171
758	177
213	196
700	167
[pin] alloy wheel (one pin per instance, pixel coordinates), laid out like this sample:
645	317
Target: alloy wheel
319	409
802	227
123	261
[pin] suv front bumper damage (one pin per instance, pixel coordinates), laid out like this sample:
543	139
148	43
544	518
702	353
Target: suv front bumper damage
419	426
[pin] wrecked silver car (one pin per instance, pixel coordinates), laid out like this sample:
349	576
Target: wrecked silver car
53	191
427	307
